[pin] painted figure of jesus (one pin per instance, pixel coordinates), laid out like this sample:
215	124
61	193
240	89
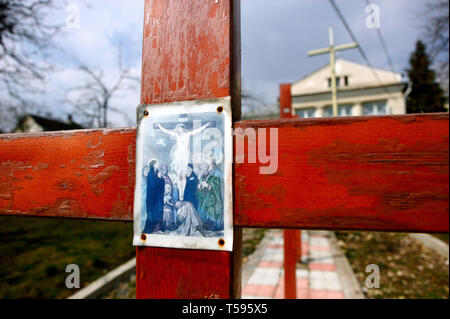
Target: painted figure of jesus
182	151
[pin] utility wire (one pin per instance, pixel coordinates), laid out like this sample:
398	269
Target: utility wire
361	50
383	44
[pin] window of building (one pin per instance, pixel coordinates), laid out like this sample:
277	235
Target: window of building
328	111
338	81
375	108
346	80
306	113
343	110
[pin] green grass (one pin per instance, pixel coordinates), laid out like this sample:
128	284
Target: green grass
407	269
251	237
34	253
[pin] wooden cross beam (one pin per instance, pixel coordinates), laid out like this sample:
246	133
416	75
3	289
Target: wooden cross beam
384	173
387	173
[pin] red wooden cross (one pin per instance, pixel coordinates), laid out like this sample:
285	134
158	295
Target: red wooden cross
383	173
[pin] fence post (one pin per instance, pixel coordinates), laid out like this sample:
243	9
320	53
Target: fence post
191	51
285	101
292	237
290	256
298	242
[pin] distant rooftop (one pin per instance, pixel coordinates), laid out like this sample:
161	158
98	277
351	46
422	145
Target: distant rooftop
349	76
46	124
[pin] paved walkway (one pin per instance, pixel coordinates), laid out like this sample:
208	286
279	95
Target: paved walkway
316	275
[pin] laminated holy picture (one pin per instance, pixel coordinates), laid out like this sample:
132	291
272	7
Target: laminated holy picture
183	194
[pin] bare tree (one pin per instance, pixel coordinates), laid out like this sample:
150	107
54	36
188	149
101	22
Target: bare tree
92	100
250	102
437	34
255	107
24	38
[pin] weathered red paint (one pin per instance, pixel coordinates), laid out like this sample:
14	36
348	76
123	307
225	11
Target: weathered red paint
290	256
79	174
188	274
298	241
292	238
291	244
376	173
286	101
191	51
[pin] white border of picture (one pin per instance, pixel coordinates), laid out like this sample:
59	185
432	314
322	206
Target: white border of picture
187	107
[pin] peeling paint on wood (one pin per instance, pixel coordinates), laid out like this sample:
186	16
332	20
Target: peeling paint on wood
87	174
191	51
375	173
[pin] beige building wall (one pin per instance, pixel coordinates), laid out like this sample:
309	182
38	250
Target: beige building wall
362	88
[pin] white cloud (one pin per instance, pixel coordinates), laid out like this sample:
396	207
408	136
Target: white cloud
102	26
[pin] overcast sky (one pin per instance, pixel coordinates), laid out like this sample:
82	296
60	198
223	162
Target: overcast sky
276	34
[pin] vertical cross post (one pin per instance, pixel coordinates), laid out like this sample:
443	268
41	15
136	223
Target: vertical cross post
191	51
298	243
292	237
290	256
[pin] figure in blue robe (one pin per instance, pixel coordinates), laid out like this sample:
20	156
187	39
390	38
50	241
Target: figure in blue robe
191	189
154	199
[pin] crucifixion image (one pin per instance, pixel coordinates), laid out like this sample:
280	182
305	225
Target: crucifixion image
182	151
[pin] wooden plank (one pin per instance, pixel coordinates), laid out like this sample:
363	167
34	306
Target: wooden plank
375	173
191	51
173	272
73	174
188	274
290	252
